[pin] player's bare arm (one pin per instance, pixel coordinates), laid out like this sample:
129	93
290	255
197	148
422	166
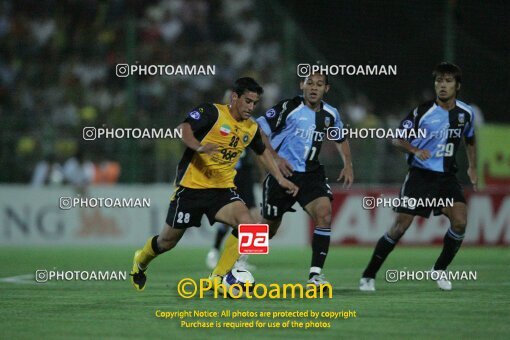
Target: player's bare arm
471	155
270	164
282	163
191	142
347	172
261	171
406	147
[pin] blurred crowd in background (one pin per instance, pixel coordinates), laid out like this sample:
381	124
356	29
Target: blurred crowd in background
57	75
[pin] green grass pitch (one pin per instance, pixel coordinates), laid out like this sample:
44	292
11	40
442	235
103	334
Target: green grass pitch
113	309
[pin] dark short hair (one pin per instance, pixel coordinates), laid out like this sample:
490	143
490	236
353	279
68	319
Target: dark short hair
247	84
446	67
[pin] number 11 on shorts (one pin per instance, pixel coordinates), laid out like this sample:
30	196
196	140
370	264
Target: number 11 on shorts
253	239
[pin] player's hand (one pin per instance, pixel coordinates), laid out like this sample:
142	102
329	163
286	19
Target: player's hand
473	177
284	166
348	175
422	154
208	148
292	189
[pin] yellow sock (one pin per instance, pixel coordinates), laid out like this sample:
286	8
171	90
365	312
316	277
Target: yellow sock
146	255
228	257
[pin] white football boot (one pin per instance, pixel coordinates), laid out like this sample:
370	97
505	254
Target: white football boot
442	282
318	280
367	284
213	256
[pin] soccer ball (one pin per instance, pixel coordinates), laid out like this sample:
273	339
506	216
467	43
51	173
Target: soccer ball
238	279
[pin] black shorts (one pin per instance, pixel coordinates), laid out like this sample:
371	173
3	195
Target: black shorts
245	189
312	185
425	184
188	205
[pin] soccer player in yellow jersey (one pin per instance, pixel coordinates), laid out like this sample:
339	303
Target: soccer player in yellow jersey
215	136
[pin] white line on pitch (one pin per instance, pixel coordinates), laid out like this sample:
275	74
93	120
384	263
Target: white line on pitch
25	278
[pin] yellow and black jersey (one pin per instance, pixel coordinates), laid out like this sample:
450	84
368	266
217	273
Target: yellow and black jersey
213	123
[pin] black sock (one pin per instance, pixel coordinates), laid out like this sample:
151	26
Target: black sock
320	247
383	247
220	234
451	245
154	245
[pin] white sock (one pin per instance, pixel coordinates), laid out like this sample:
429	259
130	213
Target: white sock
316	270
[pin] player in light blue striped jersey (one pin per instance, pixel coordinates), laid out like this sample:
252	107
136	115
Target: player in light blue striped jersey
432	167
296	129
